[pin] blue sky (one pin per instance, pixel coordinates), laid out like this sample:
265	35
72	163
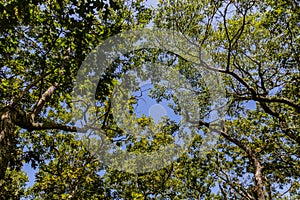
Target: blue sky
152	2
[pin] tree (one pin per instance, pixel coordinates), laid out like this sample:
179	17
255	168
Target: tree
253	46
43	43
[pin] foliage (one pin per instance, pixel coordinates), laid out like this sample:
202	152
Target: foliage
253	45
43	44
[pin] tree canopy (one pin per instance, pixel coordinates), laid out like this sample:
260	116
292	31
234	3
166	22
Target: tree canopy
253	46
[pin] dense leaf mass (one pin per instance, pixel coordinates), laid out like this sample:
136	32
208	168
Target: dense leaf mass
253	45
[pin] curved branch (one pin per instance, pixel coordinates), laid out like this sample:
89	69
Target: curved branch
271	100
26	90
41	102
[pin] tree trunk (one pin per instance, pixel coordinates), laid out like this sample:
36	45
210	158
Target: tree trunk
7	139
259	186
259	180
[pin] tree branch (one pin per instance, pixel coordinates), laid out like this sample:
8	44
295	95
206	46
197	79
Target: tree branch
26	90
271	100
253	158
41	102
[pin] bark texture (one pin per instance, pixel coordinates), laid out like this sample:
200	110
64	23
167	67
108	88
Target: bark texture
7	138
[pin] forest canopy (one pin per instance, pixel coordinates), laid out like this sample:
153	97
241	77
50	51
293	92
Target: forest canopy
250	51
